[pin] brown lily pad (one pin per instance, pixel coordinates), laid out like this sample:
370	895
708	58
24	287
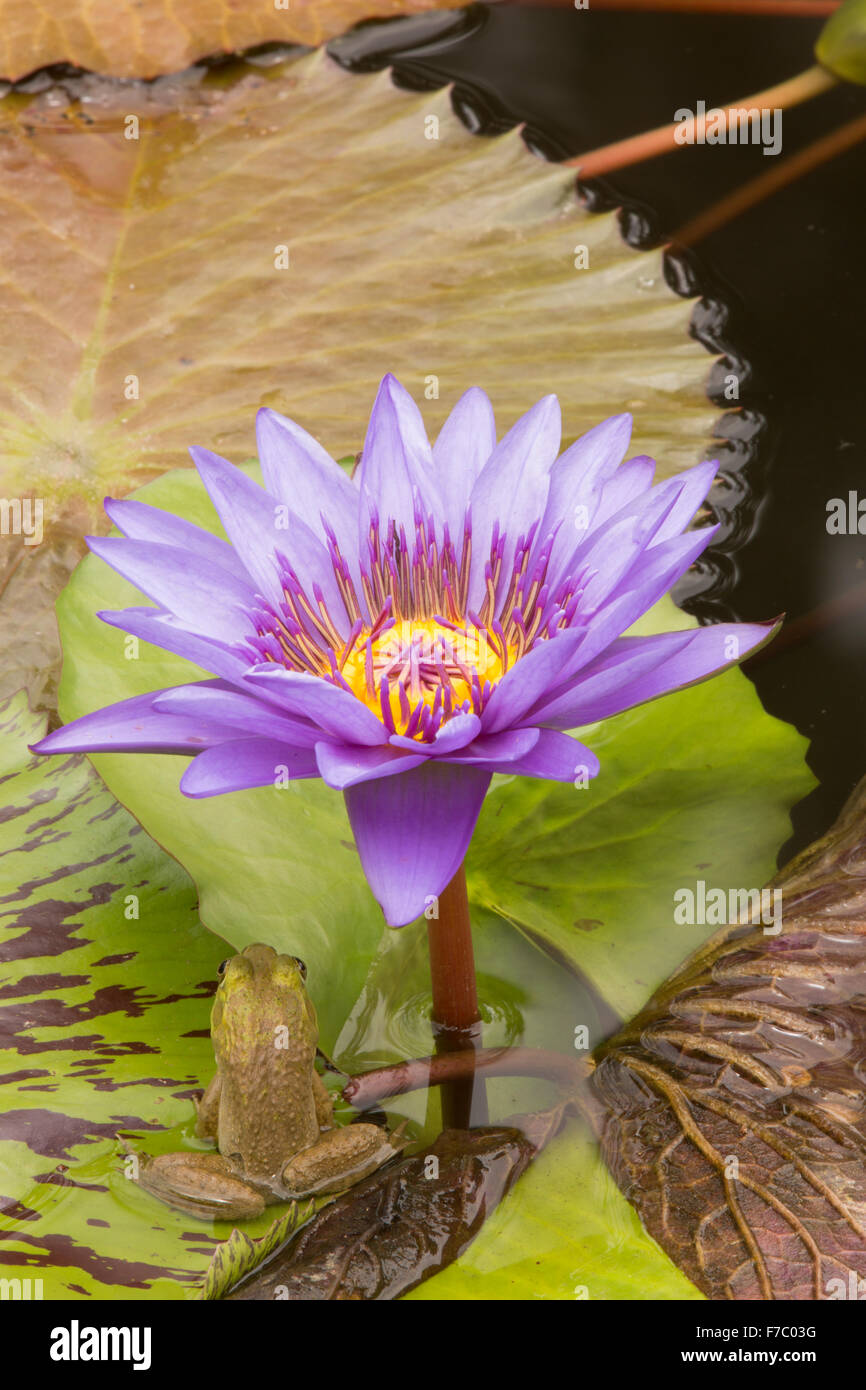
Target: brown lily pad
178	254
737	1113
153	38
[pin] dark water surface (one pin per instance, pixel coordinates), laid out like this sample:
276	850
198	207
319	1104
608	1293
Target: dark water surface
786	285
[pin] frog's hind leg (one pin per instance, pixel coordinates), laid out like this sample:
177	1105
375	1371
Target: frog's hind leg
202	1185
324	1104
339	1159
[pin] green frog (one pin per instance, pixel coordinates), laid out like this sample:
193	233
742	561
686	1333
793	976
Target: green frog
267	1108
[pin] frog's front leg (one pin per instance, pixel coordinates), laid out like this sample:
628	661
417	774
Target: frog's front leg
207	1110
203	1185
324	1103
339	1159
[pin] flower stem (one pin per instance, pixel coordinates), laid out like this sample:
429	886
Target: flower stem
456	1018
663	139
803	8
753	192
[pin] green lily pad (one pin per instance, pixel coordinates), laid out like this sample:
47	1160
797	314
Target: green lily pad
564	1233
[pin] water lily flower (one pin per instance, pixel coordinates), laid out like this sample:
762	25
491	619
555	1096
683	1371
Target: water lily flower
444	615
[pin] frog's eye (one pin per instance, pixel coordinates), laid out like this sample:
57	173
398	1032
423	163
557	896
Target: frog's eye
301	966
221	968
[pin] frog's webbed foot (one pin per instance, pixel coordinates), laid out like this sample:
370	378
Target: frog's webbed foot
200	1184
341	1158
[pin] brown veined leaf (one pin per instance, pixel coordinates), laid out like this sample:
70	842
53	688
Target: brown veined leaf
161	36
178	254
405	1223
736	1111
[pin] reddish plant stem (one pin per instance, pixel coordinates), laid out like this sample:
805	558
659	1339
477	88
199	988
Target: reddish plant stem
456	1017
804	8
452	959
663	139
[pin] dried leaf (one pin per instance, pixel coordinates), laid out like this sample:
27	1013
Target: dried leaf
146	40
738	1116
284	237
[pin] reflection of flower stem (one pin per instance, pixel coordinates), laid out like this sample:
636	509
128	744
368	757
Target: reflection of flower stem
761	187
456	1019
794	90
372	1087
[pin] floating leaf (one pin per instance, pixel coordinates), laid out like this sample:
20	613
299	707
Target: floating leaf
738	1119
147	40
105	983
284	237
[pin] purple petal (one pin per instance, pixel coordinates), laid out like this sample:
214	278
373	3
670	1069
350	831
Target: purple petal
297	470
133	726
396	464
140	522
631	480
465	443
246	762
651	576
691	488
456	733
216	700
576	480
206	598
345	764
495	751
258	525
618	546
512	488
337	712
636	669
412	832
541	669
554	757
164	630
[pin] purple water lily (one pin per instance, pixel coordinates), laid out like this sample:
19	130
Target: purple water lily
444	615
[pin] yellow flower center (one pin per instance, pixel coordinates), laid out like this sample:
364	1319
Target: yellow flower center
424	664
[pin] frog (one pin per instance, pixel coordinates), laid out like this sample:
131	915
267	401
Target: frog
266	1109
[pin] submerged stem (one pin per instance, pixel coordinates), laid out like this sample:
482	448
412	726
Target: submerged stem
456	1018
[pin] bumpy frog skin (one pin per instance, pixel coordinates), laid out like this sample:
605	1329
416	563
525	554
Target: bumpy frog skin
267	1107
